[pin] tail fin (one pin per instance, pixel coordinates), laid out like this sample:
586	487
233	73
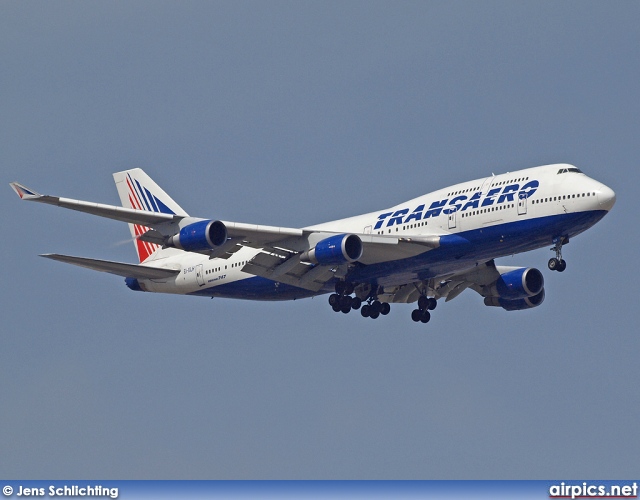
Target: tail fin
138	191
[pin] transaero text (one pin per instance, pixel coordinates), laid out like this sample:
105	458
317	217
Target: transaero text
461	203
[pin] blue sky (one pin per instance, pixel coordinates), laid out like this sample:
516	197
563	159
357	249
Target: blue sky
291	114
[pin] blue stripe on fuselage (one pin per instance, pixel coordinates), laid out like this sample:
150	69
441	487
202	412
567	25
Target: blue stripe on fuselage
256	288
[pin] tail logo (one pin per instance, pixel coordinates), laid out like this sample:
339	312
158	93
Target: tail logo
141	198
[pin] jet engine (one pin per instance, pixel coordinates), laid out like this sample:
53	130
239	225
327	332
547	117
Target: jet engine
517	283
200	236
516	289
338	249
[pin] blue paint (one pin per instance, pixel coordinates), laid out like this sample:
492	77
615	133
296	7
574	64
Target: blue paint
257	288
133	284
329	251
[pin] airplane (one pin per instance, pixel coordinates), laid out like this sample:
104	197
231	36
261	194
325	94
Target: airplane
422	250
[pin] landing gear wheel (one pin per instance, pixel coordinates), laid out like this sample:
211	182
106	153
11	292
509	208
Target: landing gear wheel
425	316
346	309
554	264
344	301
562	265
336	308
355	303
374	315
334	298
365	311
385	309
427	303
416	315
423	302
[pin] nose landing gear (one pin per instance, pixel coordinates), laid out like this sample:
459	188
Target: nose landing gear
557	263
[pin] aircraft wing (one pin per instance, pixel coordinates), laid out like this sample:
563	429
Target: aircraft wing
279	263
132	216
446	287
118	268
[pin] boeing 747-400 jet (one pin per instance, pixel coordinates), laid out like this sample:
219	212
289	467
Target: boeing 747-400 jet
429	248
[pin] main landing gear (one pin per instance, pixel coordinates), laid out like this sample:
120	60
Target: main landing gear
557	263
374	308
422	314
341	301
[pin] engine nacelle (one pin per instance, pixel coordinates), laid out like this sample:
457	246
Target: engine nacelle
199	236
517	284
517	304
337	249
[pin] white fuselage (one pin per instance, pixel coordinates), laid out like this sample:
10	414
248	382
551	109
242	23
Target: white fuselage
531	207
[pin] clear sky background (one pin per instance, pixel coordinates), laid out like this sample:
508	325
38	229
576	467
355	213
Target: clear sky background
291	114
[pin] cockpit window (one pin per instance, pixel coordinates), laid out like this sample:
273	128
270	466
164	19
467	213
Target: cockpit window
572	169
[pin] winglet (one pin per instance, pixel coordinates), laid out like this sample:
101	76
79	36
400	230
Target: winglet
24	192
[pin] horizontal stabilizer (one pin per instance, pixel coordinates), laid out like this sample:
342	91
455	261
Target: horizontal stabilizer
118	268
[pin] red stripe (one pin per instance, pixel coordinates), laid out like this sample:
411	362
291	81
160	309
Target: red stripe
132	192
145	249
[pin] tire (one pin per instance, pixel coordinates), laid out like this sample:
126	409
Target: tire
355	303
374	315
333	299
426	316
553	264
433	303
336	308
345	301
385	309
416	314
376	306
365	311
562	266
423	302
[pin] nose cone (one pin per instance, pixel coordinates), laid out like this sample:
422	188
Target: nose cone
606	198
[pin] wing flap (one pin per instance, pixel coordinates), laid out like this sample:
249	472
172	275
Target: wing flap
289	271
117	268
